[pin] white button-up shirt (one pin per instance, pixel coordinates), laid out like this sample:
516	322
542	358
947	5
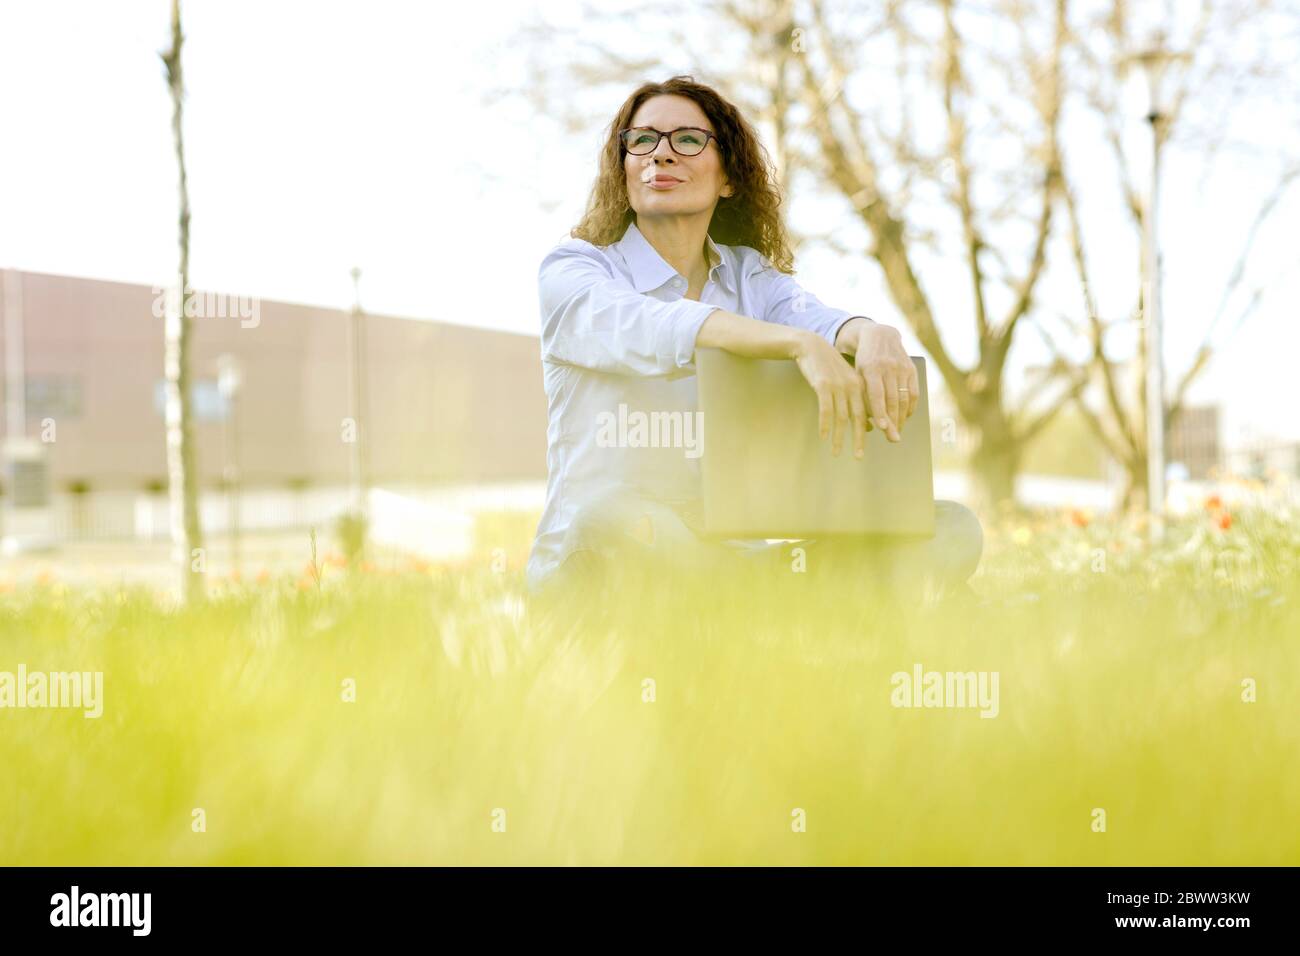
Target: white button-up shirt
618	345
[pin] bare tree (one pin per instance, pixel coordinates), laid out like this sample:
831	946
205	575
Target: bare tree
939	125
186	533
855	164
1217	78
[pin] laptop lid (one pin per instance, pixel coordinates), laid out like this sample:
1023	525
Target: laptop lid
768	474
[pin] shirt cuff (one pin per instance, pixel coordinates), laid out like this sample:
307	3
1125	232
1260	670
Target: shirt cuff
835	329
686	328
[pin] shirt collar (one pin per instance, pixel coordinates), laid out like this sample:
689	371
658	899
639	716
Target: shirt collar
650	270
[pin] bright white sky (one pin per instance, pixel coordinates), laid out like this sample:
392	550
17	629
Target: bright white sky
325	135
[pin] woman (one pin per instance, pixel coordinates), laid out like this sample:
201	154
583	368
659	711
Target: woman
682	247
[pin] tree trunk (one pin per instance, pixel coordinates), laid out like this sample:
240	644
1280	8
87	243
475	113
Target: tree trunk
1134	500
186	534
995	460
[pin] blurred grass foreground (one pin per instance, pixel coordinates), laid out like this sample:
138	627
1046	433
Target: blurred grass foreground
422	714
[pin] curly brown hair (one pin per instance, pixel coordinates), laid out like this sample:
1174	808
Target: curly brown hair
749	217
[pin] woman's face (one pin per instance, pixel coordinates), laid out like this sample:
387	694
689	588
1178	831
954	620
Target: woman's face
701	177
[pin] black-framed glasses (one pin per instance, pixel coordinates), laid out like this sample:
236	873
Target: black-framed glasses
685	140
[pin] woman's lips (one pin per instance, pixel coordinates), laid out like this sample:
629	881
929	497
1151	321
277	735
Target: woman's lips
663	183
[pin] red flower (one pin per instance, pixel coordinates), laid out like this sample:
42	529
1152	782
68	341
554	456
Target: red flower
1213	503
1078	518
1224	521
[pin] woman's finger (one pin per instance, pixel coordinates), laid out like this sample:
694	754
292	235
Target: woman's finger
913	388
825	410
876	399
891	384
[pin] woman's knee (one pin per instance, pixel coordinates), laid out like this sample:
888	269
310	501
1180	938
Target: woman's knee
623	524
599	523
962	536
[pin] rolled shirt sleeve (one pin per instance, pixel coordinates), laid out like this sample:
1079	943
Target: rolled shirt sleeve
594	319
786	302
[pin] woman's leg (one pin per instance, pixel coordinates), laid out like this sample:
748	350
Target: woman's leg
622	539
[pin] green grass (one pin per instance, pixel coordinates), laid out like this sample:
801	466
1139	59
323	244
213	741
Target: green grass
1120	688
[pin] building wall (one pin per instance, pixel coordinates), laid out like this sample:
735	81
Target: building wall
1194	440
443	403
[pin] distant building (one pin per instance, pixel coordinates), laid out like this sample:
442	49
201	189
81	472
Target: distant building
443	402
1262	459
1194	440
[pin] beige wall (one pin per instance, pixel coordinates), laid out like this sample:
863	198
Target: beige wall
444	403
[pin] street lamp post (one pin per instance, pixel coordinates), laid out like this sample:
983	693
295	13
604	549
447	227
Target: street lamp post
357	390
229	380
1153	61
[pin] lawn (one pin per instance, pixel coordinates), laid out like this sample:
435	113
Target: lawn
418	714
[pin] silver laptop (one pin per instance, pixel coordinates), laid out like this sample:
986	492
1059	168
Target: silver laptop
768	474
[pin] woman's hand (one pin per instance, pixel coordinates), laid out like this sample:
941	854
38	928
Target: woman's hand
887	373
841	396
840	391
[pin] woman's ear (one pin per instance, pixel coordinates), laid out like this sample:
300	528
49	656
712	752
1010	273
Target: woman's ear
727	191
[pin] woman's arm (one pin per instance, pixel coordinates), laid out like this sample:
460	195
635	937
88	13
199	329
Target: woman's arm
593	319
841	396
742	335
